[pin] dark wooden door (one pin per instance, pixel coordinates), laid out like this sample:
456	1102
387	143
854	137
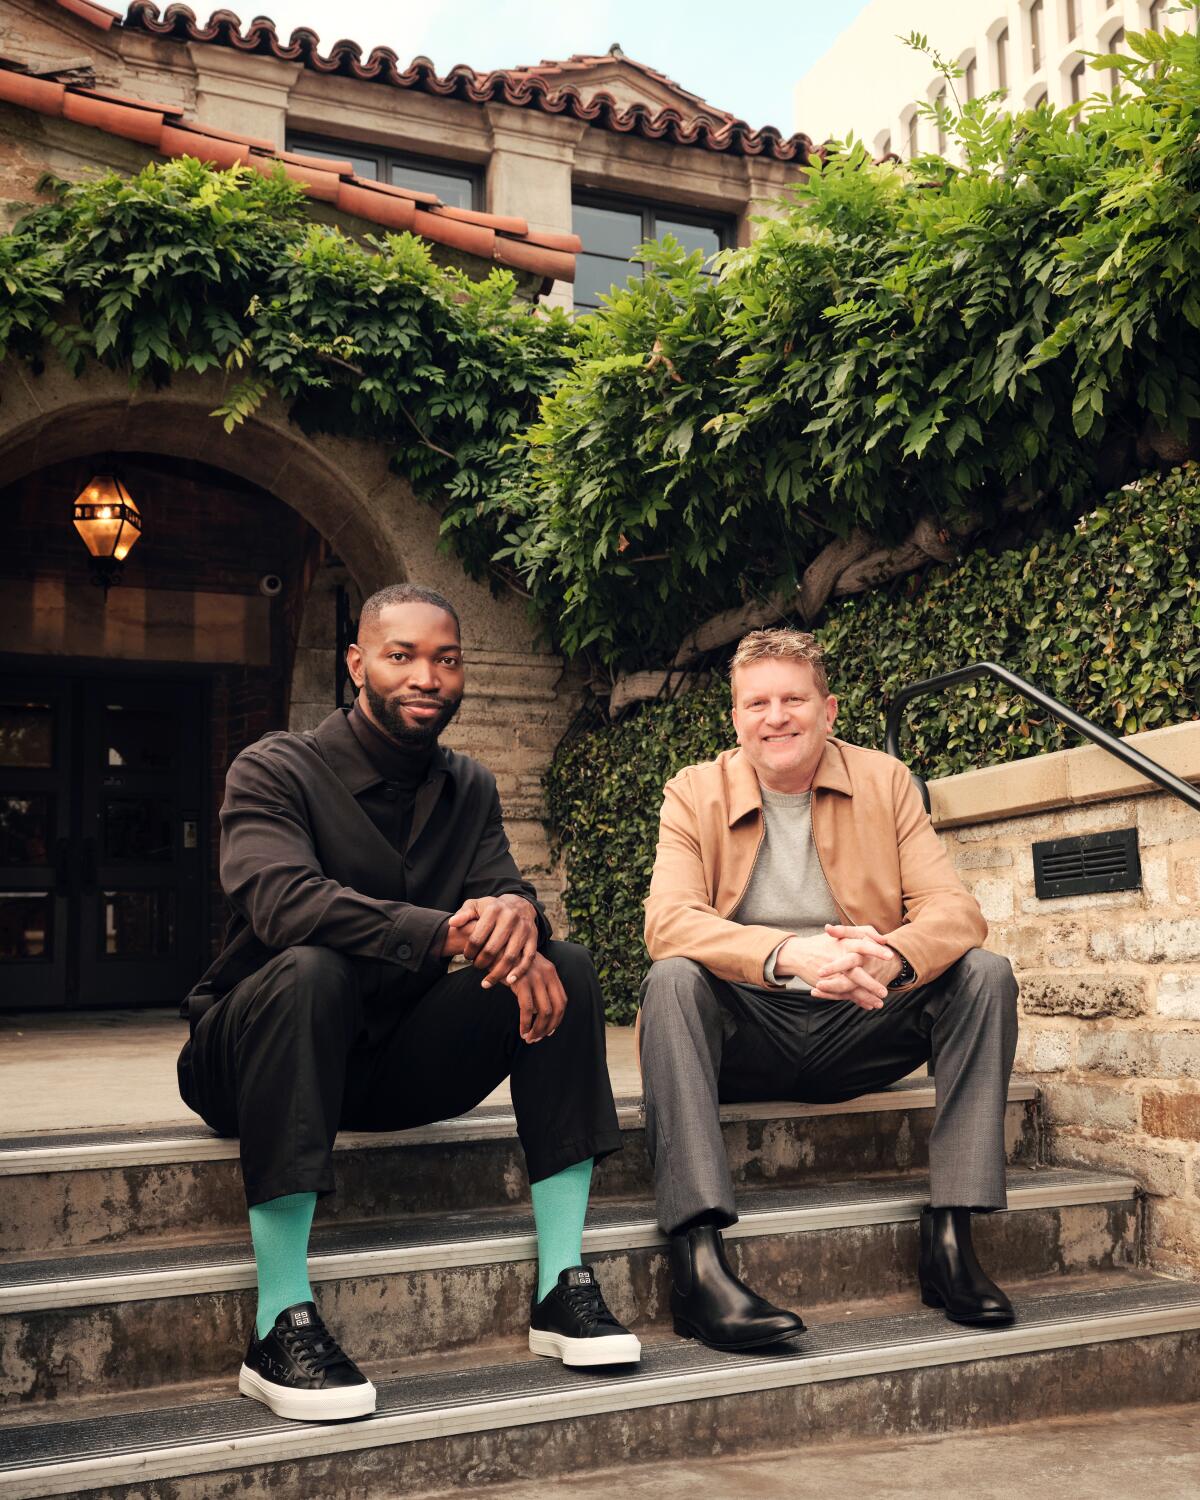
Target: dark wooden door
112	915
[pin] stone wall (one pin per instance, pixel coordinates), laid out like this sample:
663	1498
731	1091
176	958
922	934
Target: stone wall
1110	983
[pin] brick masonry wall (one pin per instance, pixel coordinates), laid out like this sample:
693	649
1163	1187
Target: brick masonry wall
1110	999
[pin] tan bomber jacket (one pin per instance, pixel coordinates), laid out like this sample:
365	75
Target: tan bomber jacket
881	857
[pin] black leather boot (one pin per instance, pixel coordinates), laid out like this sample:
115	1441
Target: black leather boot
709	1303
951	1276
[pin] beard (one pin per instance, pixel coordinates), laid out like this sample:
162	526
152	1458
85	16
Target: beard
412	736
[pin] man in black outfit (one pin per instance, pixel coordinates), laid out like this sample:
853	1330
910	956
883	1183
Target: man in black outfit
359	859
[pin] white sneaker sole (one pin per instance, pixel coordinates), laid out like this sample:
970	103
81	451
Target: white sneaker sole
618	1349
308	1406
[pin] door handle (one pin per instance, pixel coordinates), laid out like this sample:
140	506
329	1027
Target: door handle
62	868
87	864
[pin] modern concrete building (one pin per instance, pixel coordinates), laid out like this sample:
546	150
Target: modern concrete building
118	719
870	85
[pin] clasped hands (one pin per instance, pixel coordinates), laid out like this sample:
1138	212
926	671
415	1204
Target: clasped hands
499	934
843	963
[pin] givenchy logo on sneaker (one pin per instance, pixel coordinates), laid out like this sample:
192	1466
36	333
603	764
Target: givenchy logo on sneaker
301	1319
581	1276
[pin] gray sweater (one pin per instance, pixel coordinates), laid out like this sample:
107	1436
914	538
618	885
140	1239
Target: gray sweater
787	886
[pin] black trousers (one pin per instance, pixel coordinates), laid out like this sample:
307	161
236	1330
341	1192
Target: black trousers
316	1042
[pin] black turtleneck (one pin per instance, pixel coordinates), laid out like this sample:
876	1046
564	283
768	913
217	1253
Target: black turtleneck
401	769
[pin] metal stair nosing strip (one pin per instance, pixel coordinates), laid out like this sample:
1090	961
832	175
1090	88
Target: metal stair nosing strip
65	1156
1170	1308
1052	1191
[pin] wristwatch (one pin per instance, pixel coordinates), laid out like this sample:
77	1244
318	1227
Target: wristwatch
906	975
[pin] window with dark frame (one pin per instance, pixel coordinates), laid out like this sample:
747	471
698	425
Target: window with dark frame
1077	75
969	79
611	231
911	131
1115	43
1157	10
1035	36
1002	60
453	183
1072	19
940	106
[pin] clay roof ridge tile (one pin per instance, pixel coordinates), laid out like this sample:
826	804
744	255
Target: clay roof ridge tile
525	86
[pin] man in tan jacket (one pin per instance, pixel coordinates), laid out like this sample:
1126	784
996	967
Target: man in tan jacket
811	941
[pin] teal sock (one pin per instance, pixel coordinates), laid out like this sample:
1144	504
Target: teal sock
279	1229
559	1205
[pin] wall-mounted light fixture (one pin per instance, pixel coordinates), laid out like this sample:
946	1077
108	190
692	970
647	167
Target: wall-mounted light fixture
109	522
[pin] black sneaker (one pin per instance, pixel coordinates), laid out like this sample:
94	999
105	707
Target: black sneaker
572	1322
299	1371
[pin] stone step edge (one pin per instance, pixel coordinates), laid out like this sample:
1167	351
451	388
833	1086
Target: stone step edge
1066	1189
138	1151
1176	1311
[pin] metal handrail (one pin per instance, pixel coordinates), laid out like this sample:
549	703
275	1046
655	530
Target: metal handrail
1118	747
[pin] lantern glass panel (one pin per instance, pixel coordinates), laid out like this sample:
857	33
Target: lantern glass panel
107	518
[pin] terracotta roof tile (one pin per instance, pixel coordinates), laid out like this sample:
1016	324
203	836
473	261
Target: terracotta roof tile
95	15
179	141
499	237
85	108
413	194
541	88
392	211
475	239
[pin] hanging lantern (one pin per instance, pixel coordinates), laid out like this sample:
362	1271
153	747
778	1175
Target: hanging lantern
109	523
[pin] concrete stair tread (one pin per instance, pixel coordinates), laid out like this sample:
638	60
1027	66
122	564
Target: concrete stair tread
432	1241
162	1437
76	1150
510	1349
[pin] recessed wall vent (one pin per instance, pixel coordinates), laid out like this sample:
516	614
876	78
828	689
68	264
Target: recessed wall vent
1083	866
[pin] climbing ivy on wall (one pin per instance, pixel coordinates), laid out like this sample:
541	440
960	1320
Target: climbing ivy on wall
1105	618
185	269
961	343
951	345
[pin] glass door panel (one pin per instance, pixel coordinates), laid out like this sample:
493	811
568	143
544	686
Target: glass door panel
141	885
35	817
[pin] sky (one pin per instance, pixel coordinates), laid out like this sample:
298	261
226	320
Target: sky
747	62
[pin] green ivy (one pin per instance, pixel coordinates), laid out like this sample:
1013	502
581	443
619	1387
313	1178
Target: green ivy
905	341
185	269
1105	618
926	340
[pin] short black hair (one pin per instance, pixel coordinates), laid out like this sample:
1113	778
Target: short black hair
405	593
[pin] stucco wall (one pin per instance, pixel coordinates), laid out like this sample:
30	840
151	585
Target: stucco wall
1110	983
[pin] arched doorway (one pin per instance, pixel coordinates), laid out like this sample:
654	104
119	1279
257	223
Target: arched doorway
118	718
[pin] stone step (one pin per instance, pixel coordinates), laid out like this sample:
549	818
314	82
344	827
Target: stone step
126	1320
80	1189
891	1371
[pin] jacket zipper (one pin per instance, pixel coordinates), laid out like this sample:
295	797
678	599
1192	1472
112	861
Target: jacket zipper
762	834
842	912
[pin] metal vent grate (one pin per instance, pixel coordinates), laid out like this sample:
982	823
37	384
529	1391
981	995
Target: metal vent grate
1094	862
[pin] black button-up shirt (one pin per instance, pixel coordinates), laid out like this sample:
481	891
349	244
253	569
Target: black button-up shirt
304	862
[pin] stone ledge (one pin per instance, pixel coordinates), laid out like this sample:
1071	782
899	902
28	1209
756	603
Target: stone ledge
1063	778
